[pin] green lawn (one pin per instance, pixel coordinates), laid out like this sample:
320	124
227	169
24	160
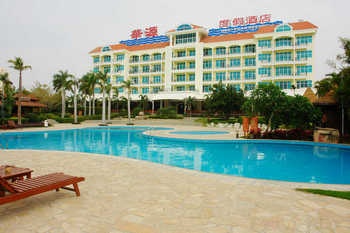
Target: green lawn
337	194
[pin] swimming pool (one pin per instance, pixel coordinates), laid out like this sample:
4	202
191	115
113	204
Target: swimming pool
198	132
263	159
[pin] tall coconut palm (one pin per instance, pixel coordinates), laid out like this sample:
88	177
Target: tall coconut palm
143	101
102	82
73	86
61	83
89	81
127	85
18	64
109	98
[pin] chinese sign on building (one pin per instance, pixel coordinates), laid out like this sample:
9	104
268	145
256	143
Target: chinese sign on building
241	21
148	32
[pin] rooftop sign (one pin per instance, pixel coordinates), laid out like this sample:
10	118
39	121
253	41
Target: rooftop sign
147	36
242	25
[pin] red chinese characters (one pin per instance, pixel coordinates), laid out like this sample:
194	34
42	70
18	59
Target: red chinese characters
135	34
241	21
148	32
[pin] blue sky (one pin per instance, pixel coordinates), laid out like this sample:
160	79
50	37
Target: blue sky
53	35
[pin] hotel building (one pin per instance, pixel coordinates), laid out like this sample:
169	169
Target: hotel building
190	59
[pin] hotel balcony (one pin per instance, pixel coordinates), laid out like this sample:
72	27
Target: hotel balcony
284	62
284	47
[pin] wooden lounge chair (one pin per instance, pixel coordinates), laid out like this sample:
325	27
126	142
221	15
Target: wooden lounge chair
28	187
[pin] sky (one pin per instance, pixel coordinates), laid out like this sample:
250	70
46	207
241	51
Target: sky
54	35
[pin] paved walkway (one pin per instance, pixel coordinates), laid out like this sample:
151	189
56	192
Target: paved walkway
130	196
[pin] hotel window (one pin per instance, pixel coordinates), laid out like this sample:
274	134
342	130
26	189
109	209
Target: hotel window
156	79
235	49
134	69
155	89
134	59
191	88
119	79
304	40
157	68
283	28
157	56
283	71
236	75
220	76
106	48
97	90
134	80
283	42
284	56
145	80
237	87
303	55
220	63
106	69
192	65
191	77
145	90
108	80
107	59
207	64
304	83
207	77
96	69
118	68
134	91
206	88
304	69
264	71
264	43
145	69
250	48
181	53
145	57
207	52
180	88
220	51
181	66
249	86
96	59
180	78
192	53
235	62
264	57
249	61
284	84
249	75
120	57
185	38
120	90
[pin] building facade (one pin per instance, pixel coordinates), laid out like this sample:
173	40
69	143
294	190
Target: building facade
190	59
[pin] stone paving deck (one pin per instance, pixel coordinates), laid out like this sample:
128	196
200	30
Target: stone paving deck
131	196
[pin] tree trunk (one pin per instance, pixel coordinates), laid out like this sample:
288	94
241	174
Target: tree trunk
109	107
63	103
19	109
75	106
103	106
129	114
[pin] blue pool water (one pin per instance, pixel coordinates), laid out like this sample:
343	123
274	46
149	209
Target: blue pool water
265	159
198	132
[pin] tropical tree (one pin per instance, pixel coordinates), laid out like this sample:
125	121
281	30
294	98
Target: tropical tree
7	99
143	101
127	85
18	64
73	85
338	82
60	84
267	100
189	102
88	83
224	100
102	82
46	95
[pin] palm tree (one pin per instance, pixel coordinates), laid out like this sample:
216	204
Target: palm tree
87	86
102	82
61	83
17	64
127	85
189	101
109	97
144	101
74	86
6	85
